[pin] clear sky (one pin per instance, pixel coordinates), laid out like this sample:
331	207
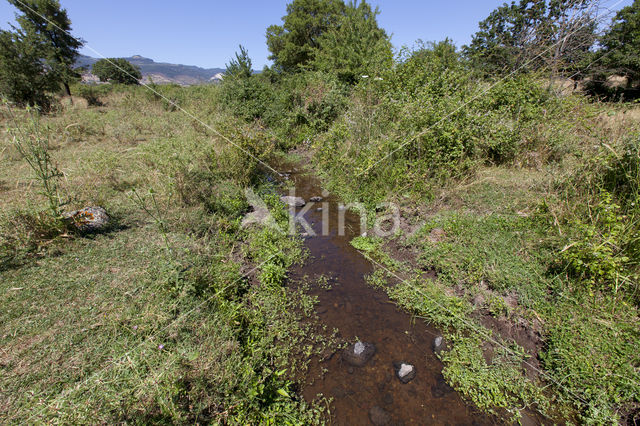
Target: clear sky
207	32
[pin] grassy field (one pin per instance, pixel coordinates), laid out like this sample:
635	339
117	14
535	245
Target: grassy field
175	314
523	330
523	207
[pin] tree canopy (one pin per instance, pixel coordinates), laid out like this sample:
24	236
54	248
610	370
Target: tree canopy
295	43
38	56
621	44
533	34
116	70
355	46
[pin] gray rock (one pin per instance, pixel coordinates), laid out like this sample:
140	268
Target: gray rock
88	219
315	199
359	353
404	372
379	417
293	201
438	344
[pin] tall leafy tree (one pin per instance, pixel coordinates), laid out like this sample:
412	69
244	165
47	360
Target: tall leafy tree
355	46
46	23
534	34
116	70
621	43
295	44
24	79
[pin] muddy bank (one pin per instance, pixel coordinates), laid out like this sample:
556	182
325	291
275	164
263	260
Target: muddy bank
372	393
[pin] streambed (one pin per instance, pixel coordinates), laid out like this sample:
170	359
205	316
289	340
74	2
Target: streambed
371	393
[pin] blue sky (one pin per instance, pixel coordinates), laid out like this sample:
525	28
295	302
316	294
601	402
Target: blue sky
207	33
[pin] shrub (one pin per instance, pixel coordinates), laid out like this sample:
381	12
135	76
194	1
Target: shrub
90	94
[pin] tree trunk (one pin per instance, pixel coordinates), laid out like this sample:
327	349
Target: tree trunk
67	91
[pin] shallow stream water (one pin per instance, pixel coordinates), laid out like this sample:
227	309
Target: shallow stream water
360	312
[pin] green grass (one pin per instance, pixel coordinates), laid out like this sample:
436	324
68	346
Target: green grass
172	316
493	249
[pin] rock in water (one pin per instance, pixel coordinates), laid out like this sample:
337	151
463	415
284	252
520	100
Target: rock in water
359	354
405	372
438	344
315	199
379	417
88	219
293	201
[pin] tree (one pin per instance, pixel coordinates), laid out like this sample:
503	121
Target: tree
240	66
45	23
116	70
294	45
355	46
534	35
24	79
37	57
621	43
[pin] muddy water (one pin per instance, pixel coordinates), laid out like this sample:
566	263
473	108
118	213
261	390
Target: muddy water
360	312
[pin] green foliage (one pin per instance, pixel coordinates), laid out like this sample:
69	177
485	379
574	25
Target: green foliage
45	26
622	43
249	98
295	43
116	70
23	77
204	335
603	249
499	385
32	143
592	353
240	66
90	94
533	35
426	121
489	250
597	257
356	46
509	118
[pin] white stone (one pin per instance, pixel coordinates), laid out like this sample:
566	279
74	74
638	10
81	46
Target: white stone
405	369
358	348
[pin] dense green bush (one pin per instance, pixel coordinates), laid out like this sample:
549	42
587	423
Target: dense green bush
427	120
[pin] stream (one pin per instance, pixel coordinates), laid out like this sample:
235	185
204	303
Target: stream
372	393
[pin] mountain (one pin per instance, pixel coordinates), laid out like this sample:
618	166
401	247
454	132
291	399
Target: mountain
160	72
